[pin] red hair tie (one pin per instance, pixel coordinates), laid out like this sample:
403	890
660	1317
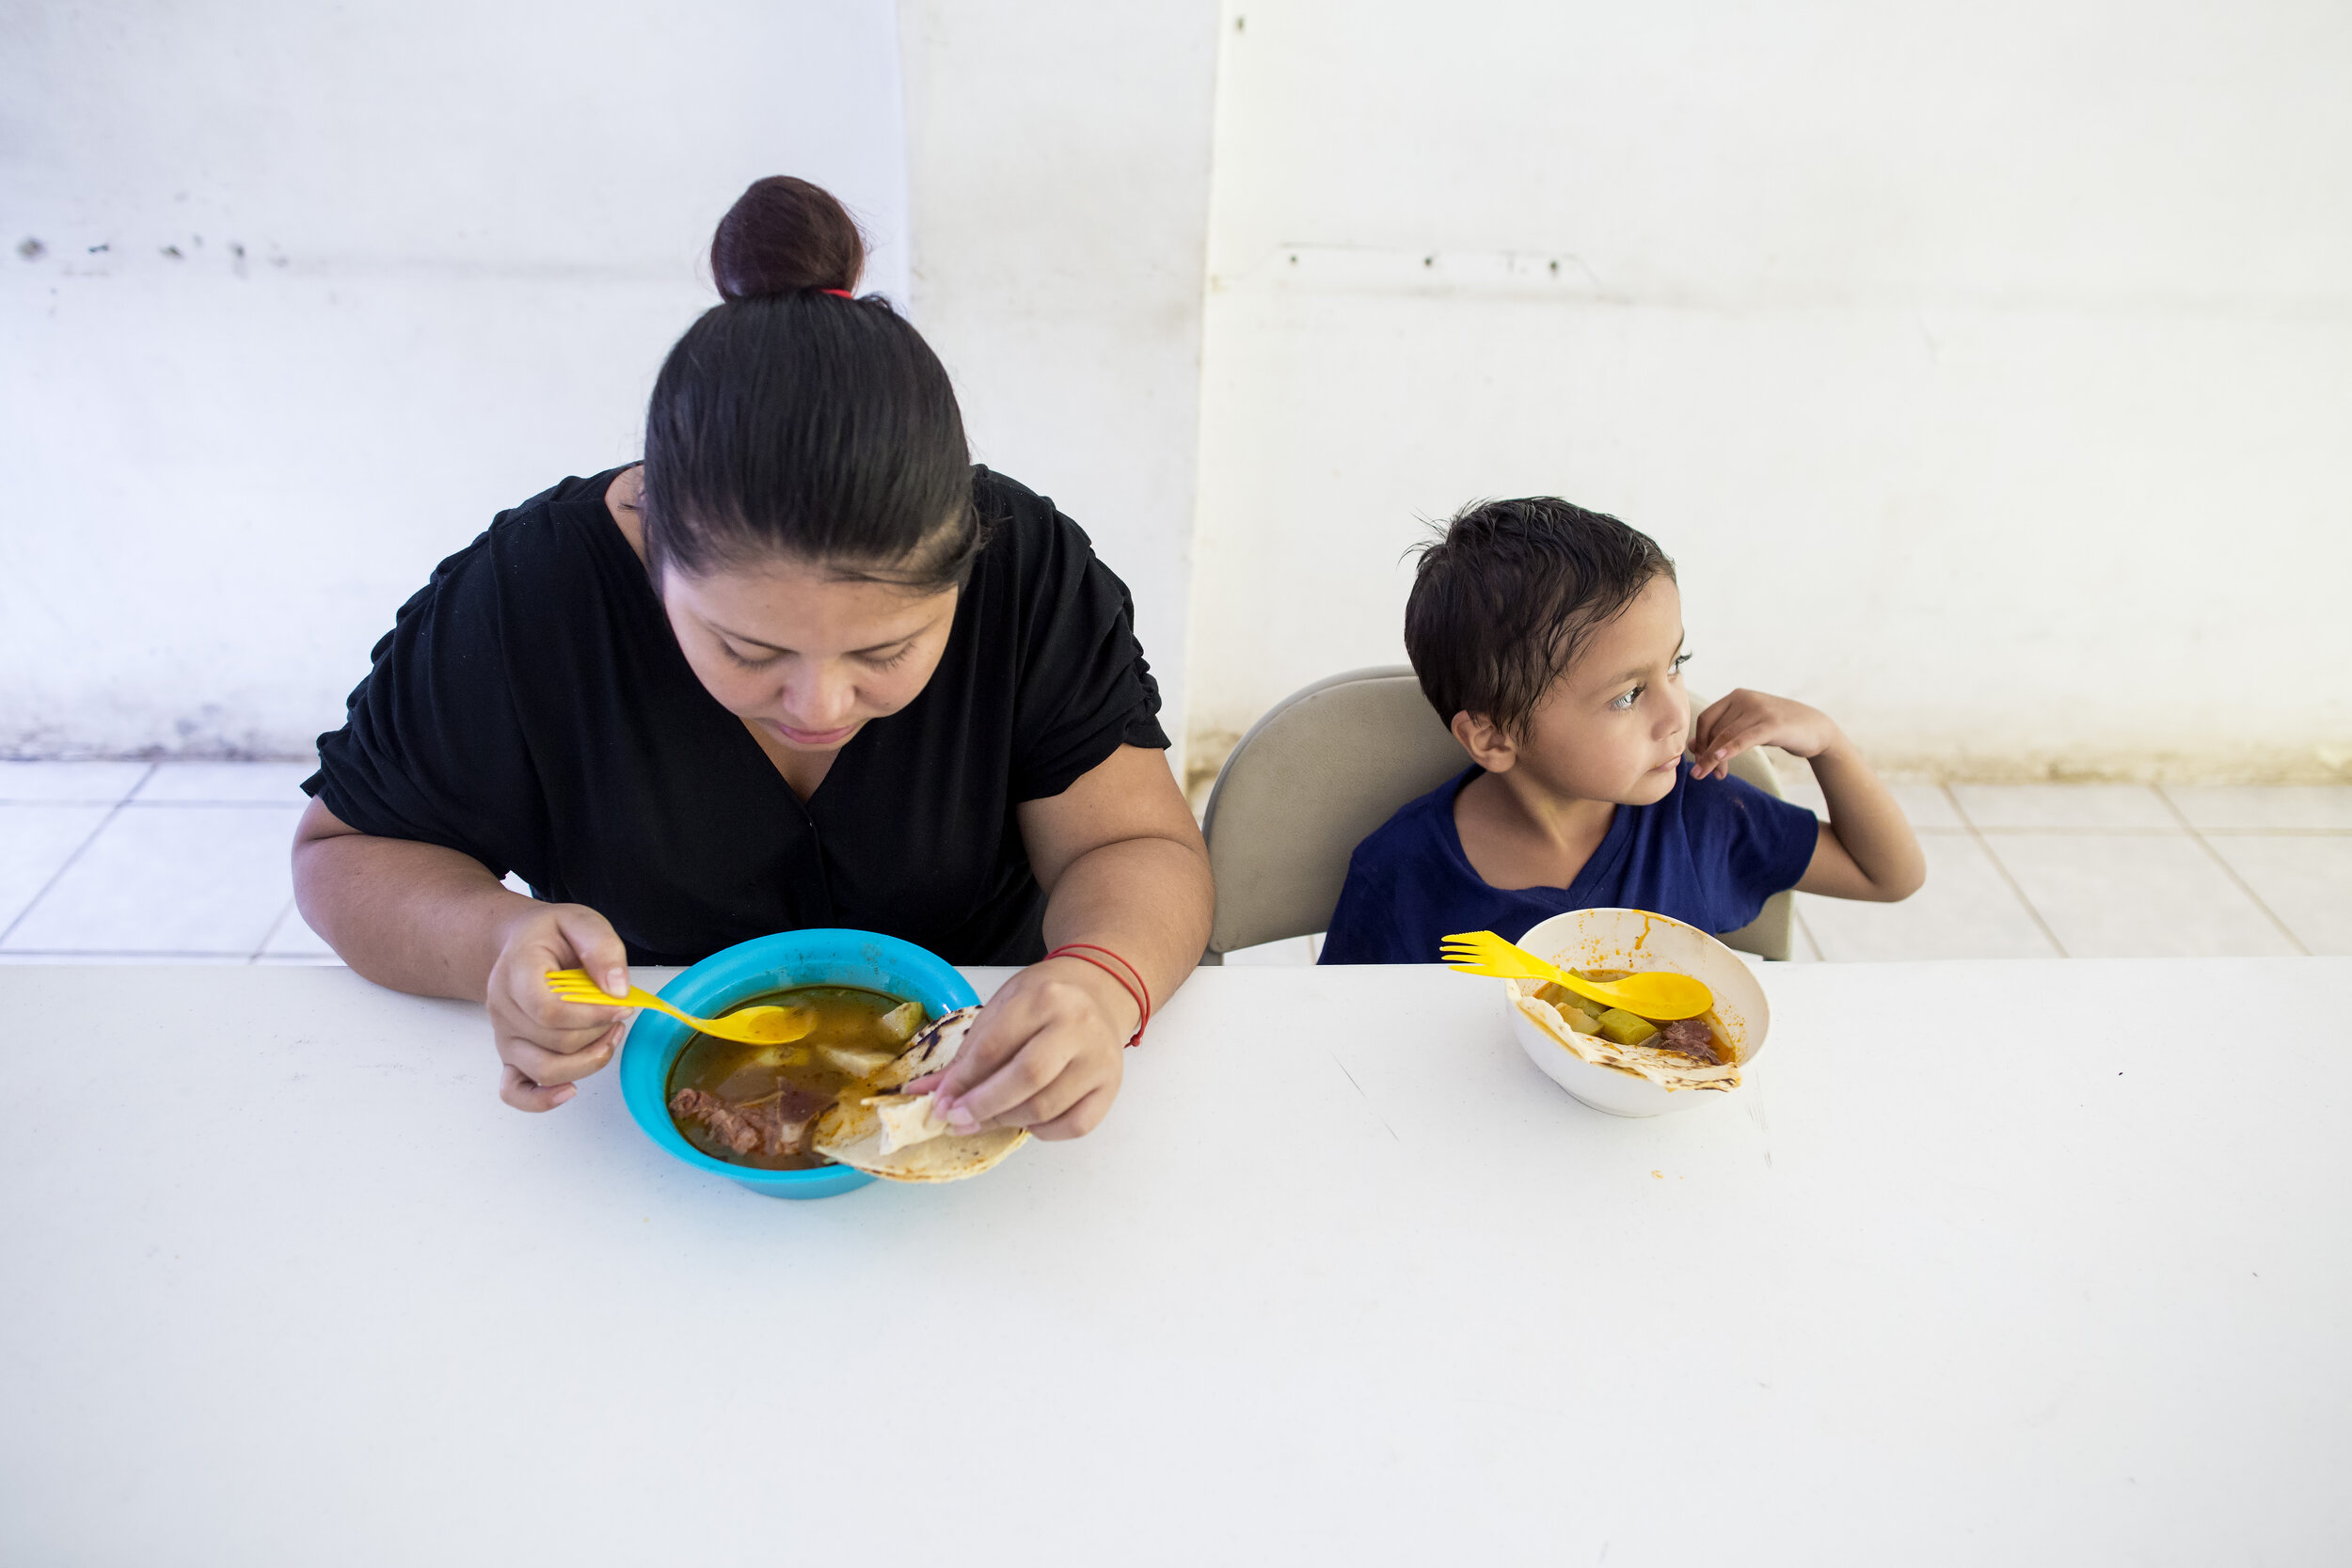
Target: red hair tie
841	294
1140	993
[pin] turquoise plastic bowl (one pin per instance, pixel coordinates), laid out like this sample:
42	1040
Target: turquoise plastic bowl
817	957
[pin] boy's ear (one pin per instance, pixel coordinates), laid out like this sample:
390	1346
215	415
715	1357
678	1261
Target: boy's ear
1487	745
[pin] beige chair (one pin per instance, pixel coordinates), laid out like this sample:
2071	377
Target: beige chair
1324	769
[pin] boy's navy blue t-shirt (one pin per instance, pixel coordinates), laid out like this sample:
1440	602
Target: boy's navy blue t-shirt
1709	854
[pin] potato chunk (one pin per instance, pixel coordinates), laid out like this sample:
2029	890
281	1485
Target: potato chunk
856	1061
901	1022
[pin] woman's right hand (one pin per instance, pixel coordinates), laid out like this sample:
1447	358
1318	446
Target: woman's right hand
547	1045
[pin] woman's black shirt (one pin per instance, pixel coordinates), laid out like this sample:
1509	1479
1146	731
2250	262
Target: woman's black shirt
530	707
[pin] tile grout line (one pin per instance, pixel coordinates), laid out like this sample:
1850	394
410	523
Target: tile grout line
1812	942
2042	830
2231	871
212	806
262	946
2275	832
1990	853
157	953
79	850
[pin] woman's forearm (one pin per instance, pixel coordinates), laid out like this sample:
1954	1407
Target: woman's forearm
1147	900
415	917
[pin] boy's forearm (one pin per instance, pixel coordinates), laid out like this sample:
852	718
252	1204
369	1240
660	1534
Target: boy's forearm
1868	822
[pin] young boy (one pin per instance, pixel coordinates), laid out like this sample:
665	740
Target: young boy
1549	638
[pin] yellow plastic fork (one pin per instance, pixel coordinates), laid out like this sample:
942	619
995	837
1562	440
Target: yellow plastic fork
1657	995
750	1026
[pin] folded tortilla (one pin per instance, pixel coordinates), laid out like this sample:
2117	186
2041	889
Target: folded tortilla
897	1136
930	1052
1668	1070
907	1120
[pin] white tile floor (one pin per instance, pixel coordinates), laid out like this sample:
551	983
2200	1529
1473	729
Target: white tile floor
169	863
187	862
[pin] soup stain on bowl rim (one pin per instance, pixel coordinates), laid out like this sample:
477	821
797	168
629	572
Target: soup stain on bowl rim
786	960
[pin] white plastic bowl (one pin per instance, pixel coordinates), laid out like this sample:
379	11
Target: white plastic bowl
1636	939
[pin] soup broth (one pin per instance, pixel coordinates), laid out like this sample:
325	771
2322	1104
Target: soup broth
751	1104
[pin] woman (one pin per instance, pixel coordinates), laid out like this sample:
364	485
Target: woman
805	666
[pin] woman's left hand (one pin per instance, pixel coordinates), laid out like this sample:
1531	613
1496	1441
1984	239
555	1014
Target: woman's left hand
1045	1053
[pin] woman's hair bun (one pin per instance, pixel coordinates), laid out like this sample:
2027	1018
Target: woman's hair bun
782	236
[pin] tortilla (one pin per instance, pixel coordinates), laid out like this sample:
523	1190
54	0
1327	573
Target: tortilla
1668	1070
933	1050
907	1119
913	1145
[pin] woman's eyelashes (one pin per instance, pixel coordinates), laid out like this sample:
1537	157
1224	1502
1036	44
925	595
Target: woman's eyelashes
746	660
879	661
1680	659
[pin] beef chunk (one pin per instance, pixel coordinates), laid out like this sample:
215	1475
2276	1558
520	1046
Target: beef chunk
796	1112
731	1127
775	1125
1689	1036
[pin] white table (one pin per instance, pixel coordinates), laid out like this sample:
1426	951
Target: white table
1341	1281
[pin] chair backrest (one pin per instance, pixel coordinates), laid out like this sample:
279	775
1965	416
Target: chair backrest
1772	934
1307	783
1322	769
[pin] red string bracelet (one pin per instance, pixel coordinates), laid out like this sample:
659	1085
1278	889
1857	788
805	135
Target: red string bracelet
1140	993
1121	961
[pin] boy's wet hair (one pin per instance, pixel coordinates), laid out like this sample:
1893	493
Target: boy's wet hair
1509	593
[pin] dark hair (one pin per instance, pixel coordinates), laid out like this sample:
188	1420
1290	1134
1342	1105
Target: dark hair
787	421
1508	593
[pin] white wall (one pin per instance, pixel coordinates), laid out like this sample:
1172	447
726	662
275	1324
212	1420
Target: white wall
1058	170
368	274
1984	365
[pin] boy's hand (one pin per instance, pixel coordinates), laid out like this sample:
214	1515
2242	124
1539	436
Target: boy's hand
1748	718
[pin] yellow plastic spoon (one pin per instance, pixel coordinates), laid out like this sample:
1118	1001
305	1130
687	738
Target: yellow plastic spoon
1656	994
766	1026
